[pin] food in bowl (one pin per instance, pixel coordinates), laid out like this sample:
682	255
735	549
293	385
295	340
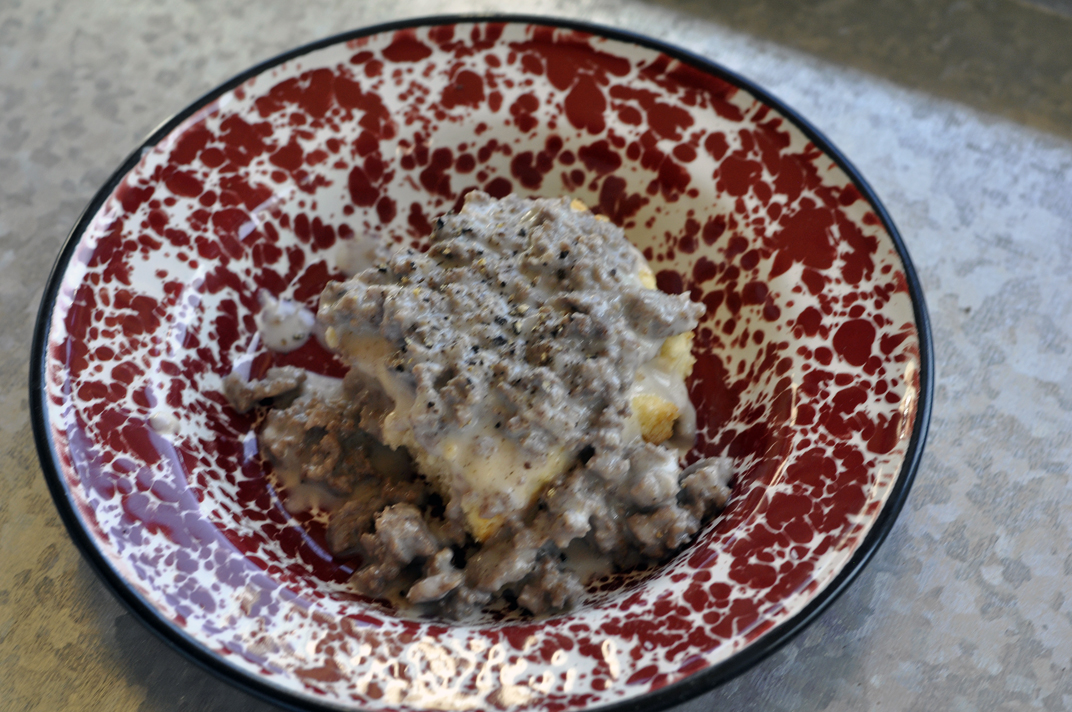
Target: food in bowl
813	360
516	401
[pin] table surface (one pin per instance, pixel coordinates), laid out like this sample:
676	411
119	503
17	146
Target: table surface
959	113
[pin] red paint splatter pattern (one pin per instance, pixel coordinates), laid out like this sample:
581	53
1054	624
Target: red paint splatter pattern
807	370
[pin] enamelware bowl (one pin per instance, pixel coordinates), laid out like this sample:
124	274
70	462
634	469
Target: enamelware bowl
814	365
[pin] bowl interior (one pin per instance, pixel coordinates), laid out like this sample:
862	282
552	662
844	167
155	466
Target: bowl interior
807	359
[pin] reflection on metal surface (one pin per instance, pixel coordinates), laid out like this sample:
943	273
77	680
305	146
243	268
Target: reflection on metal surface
1007	58
1063	7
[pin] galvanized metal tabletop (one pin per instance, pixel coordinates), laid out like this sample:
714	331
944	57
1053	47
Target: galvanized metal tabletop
958	112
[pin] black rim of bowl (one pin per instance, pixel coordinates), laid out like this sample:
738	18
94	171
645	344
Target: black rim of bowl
676	693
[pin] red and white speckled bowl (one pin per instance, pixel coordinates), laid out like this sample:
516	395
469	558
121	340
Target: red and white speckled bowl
813	366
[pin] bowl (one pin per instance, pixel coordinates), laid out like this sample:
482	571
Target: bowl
813	363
